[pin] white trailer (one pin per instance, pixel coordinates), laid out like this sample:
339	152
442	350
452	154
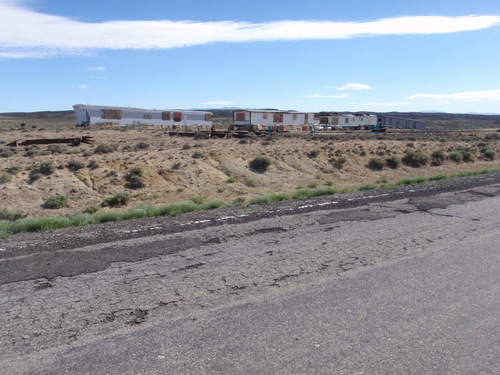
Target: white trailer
348	121
273	119
127	116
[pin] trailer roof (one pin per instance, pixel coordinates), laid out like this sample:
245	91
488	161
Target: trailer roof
136	109
269	111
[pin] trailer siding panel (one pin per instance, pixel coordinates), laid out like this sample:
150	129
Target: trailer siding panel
94	114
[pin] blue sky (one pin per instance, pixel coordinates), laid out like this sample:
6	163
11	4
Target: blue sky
356	55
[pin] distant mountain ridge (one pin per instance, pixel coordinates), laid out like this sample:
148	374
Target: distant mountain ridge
443	115
40	114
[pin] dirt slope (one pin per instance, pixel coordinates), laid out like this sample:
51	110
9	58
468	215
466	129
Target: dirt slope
176	169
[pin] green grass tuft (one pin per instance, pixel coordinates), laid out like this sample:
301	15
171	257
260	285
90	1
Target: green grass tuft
313	192
440	176
367	187
268	198
212	205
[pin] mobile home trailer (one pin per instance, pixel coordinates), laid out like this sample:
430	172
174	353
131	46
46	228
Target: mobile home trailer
348	121
401	123
127	116
245	118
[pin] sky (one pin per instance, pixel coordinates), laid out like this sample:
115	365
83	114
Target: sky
317	55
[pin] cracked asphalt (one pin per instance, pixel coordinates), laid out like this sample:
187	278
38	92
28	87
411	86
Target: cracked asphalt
73	288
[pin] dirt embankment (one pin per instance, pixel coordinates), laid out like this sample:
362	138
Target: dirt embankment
174	169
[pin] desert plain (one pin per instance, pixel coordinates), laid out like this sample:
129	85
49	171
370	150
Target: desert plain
174	169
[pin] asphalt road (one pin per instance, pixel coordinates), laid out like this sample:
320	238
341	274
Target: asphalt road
402	286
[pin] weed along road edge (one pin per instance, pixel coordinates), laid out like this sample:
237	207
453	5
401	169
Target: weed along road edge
394	282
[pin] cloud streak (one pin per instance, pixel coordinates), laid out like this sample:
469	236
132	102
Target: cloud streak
27	33
355	86
465	96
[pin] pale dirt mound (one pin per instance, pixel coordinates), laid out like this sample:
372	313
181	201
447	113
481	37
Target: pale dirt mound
172	174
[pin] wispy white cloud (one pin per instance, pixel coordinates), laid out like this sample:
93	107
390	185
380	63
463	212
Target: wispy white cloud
380	104
220	102
83	87
96	68
27	33
465	96
355	86
327	96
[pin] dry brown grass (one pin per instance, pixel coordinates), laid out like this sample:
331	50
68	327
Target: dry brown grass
171	174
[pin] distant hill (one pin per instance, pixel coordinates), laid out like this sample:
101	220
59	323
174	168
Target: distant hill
443	115
43	115
450	121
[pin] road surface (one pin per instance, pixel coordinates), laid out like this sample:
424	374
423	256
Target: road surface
404	285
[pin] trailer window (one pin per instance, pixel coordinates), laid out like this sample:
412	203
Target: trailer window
295	117
148	117
278	117
208	117
177	116
240	116
264	116
165	116
111	114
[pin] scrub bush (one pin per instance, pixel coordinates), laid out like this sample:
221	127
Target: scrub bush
74	165
55	149
6	152
392	161
134	178
5	177
456	156
93	164
377	163
260	163
415	158
251	182
56	201
489	153
46	168
313	153
104	148
117	200
438	157
14	170
142	146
